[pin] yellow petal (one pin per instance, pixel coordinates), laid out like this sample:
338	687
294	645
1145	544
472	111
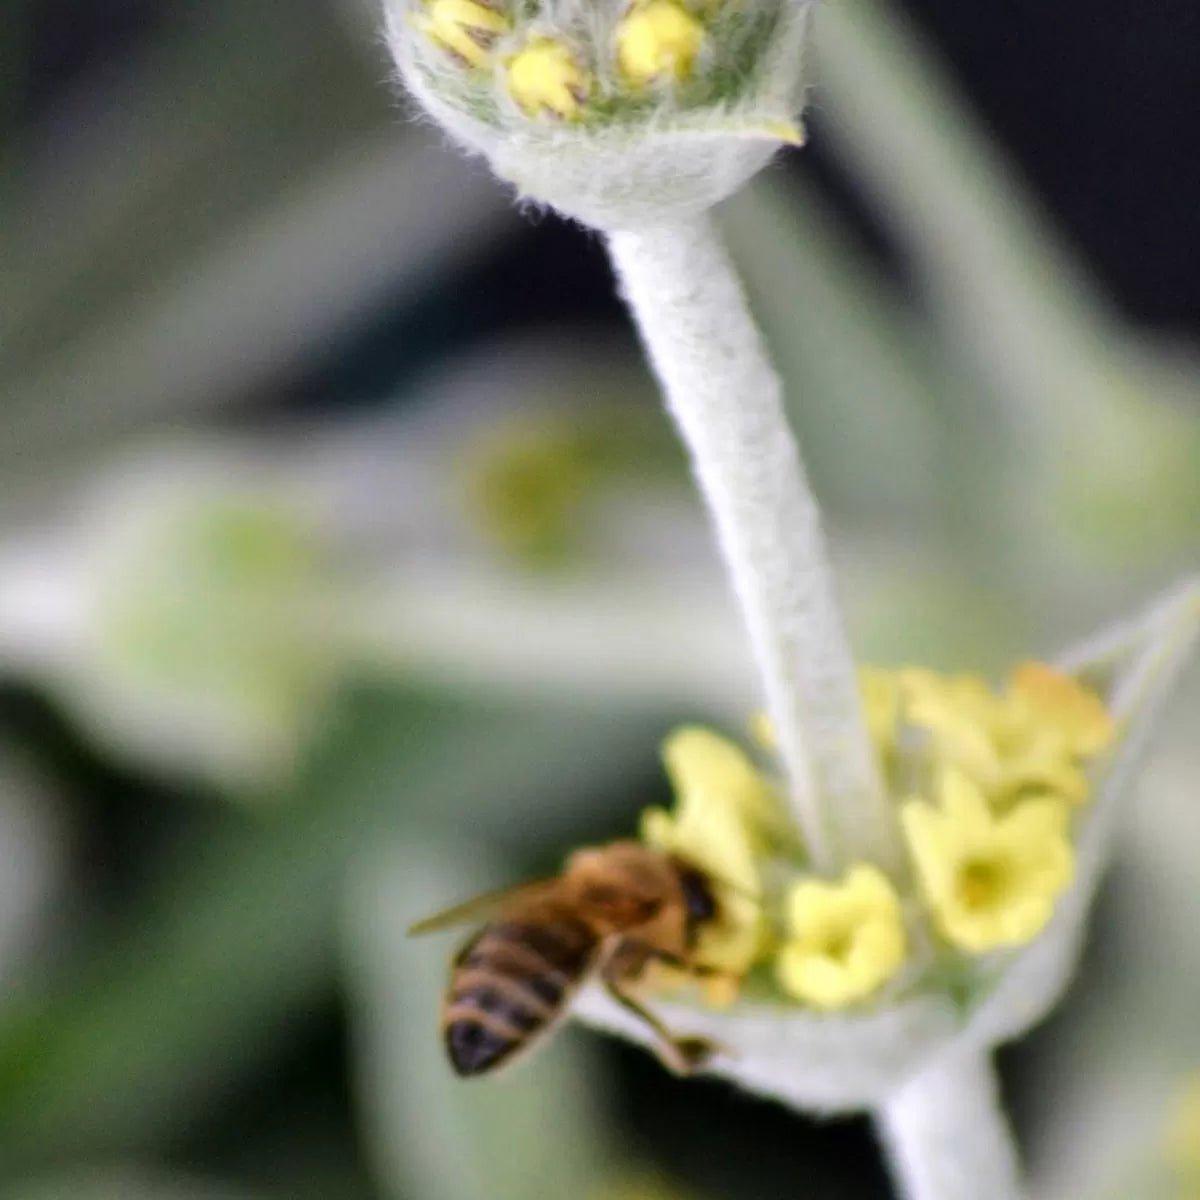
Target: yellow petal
1063	702
846	939
720	798
990	881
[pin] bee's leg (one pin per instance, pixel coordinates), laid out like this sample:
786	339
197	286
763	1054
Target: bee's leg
680	1055
721	987
682	964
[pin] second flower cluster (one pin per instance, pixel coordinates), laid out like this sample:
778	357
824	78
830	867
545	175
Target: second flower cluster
988	785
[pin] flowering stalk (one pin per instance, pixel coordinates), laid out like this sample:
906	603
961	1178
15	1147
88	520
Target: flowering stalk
726	400
946	1136
869	985
944	1130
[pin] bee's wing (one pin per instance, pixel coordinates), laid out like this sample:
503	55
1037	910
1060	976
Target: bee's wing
478	908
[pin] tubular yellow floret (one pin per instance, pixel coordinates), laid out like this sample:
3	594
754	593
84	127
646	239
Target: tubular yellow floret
545	77
1035	738
846	939
991	881
466	28
658	39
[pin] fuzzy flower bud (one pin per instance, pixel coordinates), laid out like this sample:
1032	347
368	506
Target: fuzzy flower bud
617	114
847	940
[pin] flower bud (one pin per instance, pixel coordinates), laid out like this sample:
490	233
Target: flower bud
545	78
619	114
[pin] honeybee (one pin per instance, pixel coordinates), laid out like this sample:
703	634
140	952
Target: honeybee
612	911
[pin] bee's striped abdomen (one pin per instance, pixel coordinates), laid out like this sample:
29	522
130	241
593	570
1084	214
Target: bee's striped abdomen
509	984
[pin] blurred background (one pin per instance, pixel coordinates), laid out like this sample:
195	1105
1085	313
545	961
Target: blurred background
347	567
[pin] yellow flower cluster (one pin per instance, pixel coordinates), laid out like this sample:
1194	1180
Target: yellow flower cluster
988	780
1032	739
844	940
656	42
986	783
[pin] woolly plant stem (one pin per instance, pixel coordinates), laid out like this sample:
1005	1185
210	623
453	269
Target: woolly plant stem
726	400
946	1135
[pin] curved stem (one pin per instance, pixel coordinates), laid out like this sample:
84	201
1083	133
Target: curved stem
727	402
946	1135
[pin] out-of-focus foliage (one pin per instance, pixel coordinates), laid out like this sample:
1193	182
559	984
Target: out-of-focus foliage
243	747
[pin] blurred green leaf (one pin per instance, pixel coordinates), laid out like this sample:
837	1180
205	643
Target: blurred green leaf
534	1134
122	1183
237	945
862	384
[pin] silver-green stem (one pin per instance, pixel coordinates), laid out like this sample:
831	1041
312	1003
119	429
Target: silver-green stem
727	402
946	1135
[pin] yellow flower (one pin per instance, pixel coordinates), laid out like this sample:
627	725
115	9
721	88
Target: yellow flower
658	39
466	28
991	880
960	714
721	802
1027	743
1037	763
1064	704
545	77
847	939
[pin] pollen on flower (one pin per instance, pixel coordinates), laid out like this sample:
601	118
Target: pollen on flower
845	939
466	29
545	77
721	801
991	879
658	39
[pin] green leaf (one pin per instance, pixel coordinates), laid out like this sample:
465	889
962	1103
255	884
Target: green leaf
233	950
535	1134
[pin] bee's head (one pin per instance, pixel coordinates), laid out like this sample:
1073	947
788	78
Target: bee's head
698	896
